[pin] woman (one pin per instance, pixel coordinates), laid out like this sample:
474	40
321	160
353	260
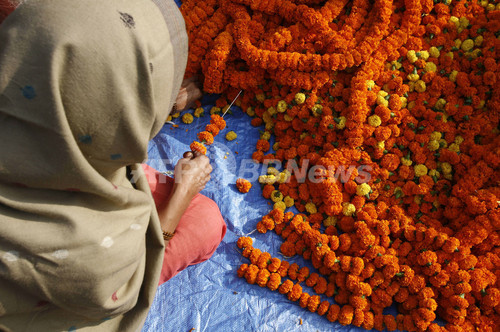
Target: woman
84	85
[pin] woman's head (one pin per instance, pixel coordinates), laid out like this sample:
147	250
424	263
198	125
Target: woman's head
98	81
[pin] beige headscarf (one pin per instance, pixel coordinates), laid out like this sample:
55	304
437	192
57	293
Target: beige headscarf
84	85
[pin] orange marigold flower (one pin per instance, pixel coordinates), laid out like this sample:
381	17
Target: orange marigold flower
263	145
323	308
197	146
274	281
243	185
313	303
295	293
333	313
346	315
251	274
218	121
244	242
285	287
242	270
304	299
205	137
283	269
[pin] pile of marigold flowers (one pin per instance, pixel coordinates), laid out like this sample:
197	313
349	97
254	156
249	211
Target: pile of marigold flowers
395	106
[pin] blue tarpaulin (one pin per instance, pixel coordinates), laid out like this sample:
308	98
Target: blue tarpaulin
210	296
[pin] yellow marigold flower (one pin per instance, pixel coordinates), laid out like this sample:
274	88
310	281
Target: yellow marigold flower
417	199
260	97
276	196
436	136
420	86
370	84
169	118
282	177
434	172
396	64
430	67
464	22
363	189
454	147
440	104
484	3
420	170
276	146
404	101
434	52
225	108
300	98
382	101
411	104
231	136
450	55
282	106
311	208
199	112
176	115
459	139
215	110
288	118
330	221
406	162
467	45
380	145
448	176
187	118
273	171
424	55
374	120
446	168
382	93
250	111
342	122
433	145
348	209
267	179
269	125
455	20
280	205
265	135
413	77
478	41
412	56
453	75
443	143
271	110
457	43
266	117
289	202
317	110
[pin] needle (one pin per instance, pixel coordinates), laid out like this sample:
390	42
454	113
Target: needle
239	93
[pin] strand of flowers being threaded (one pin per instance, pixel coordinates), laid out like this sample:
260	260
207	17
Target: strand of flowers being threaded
206	137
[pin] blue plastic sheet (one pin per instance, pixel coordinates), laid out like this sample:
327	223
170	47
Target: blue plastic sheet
210	296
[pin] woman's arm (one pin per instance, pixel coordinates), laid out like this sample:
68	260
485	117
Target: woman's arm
191	175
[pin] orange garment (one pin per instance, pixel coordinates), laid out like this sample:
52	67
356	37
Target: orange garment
198	234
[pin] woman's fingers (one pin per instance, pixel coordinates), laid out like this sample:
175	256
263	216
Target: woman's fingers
188	154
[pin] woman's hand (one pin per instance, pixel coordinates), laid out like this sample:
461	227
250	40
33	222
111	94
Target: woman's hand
188	94
191	174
